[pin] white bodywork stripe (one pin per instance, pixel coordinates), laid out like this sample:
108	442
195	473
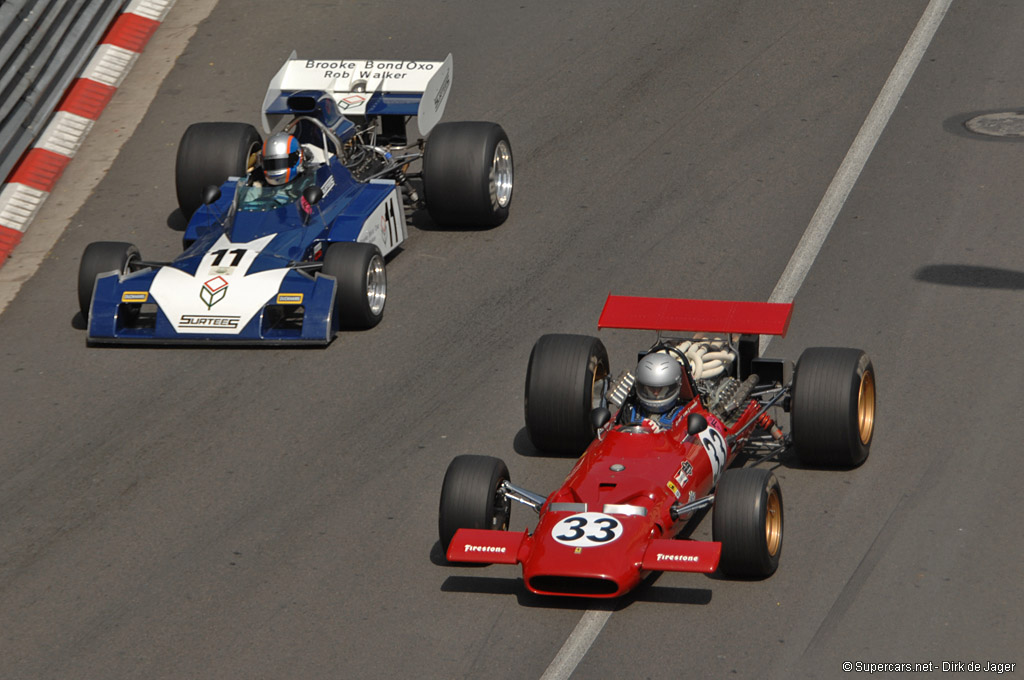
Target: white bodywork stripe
385	227
236	299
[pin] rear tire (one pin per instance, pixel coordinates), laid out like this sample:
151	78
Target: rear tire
208	154
565	381
362	288
470	497
99	258
747	520
468	174
833	410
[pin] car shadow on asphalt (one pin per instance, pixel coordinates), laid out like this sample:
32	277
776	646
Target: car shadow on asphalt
522	445
513	586
176	220
421	221
971	276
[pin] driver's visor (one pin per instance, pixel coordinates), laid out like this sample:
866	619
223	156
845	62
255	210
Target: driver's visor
656	391
282	163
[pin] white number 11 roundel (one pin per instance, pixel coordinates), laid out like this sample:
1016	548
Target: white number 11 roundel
587	530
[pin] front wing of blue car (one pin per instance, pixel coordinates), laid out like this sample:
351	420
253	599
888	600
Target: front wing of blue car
168	306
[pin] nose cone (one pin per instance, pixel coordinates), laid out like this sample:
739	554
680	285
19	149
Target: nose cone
586	554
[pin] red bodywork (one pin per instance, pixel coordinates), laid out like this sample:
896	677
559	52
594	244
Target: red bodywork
627	482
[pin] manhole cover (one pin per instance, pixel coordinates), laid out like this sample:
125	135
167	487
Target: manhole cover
1007	124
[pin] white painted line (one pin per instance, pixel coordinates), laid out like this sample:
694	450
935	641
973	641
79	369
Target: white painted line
857	157
590	625
575	648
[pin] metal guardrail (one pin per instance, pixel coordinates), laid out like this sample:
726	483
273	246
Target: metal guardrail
43	46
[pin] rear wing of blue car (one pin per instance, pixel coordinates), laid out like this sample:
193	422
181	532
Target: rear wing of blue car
358	87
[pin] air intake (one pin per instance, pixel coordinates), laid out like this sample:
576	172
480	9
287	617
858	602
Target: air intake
573	585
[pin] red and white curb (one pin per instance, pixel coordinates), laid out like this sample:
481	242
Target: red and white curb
38	170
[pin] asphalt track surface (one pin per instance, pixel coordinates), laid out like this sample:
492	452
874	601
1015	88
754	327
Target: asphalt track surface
173	513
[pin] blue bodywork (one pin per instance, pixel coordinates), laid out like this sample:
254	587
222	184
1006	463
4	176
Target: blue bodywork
124	308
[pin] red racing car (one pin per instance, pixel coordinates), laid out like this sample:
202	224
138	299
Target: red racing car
682	433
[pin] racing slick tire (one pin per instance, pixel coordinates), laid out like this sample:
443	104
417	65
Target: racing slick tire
470	497
565	381
747	521
208	154
99	258
467	174
833	410
362	286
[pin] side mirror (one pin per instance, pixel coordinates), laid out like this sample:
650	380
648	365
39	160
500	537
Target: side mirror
696	423
211	194
313	194
599	417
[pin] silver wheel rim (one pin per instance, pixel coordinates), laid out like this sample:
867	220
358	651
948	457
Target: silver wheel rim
501	175
376	285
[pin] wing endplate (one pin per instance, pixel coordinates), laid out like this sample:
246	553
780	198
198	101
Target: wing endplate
485	546
682	555
709	316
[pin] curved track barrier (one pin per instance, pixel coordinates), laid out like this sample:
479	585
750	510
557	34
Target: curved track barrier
61	61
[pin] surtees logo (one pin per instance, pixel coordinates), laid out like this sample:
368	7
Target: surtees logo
484	548
197	321
213	291
677	558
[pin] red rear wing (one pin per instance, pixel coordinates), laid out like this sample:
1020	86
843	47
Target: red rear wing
708	316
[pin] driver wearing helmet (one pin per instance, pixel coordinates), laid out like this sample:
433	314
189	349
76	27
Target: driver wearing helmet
282	158
659	378
281	176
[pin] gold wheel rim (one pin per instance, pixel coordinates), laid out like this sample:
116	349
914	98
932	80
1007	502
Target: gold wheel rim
773	523
866	407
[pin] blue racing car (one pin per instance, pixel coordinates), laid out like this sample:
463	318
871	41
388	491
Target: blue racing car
287	237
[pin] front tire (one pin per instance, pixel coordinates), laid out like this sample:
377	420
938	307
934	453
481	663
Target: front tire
208	154
471	498
833	411
99	258
468	174
565	381
362	288
747	520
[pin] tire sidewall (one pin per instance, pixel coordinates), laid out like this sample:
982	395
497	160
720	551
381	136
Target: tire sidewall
822	437
462	508
739	522
349	264
208	154
558	395
458	169
98	258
